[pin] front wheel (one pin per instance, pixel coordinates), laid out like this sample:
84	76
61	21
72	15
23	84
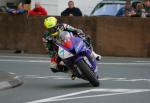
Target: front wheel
90	76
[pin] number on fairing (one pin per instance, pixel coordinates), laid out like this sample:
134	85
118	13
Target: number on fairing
63	53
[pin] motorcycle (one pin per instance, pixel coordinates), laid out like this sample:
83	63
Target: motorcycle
77	57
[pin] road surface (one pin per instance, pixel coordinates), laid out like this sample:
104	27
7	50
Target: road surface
122	80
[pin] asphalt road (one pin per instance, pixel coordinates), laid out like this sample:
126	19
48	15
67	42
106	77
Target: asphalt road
123	80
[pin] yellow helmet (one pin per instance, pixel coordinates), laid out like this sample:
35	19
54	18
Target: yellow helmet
50	23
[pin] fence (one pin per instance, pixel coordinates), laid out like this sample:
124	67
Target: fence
112	36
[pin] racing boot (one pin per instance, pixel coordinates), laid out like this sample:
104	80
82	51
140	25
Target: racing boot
98	57
71	75
55	67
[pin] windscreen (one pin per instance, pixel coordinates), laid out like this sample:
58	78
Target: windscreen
65	38
108	9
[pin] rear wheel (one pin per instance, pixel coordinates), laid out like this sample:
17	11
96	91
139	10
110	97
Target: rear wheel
90	76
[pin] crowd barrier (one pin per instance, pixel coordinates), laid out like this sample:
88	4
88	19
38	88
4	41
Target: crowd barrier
111	36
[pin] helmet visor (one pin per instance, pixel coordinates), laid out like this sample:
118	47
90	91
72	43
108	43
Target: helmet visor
52	30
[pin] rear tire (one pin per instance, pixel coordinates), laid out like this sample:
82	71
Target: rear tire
90	76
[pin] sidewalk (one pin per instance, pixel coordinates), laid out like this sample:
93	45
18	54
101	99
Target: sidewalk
9	80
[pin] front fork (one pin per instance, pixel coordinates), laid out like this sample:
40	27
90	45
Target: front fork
91	59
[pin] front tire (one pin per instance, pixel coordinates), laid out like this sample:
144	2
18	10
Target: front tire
90	76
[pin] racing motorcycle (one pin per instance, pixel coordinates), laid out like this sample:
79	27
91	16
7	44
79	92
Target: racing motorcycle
77	57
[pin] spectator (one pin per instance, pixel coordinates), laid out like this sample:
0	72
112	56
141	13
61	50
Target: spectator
139	9
128	10
27	4
147	7
27	1
3	9
19	10
38	10
71	10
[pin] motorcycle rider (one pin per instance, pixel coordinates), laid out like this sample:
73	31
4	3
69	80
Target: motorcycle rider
52	32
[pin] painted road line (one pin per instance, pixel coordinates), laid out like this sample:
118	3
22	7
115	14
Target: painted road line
27	61
47	61
4	84
101	79
111	92
44	77
47	58
142	61
11	73
25	57
123	63
124	79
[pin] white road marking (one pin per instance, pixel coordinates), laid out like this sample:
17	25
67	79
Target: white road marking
134	80
62	96
4	84
124	79
47	61
101	79
63	78
27	61
27	57
43	77
142	61
111	92
111	78
30	75
124	63
11	73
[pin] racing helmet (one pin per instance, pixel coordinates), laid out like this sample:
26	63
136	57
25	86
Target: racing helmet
51	25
